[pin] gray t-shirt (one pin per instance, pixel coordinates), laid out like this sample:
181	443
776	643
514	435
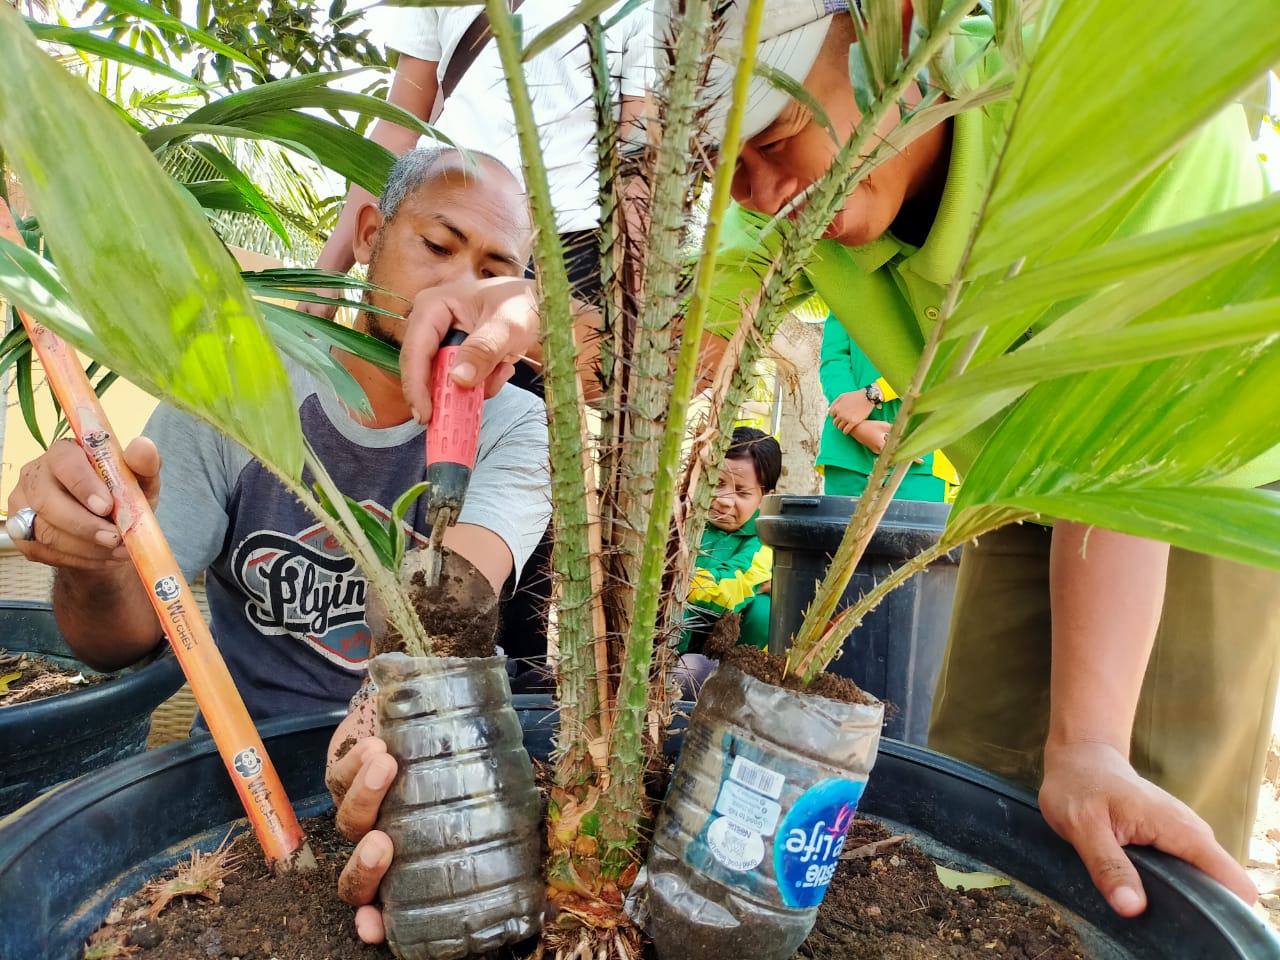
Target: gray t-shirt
287	603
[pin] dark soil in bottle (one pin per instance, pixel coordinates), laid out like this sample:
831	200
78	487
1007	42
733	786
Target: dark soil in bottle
460	613
770	668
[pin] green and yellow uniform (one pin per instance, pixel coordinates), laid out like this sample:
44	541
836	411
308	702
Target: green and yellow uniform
846	462
732	567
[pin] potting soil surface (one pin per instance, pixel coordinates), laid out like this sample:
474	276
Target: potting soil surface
886	901
25	677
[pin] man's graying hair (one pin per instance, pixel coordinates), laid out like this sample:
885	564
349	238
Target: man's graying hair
416	167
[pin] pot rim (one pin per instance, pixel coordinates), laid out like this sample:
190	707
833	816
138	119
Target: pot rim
142	687
1167	879
1172	885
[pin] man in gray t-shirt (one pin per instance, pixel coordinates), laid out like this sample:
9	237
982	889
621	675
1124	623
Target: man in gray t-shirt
287	604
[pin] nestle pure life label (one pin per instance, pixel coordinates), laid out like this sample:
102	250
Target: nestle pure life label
807	848
751	821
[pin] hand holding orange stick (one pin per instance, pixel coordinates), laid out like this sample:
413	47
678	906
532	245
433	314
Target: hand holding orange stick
242	751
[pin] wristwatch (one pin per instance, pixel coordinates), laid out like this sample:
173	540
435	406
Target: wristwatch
874	394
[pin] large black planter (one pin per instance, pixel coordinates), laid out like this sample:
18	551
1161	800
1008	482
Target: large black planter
896	652
48	741
64	859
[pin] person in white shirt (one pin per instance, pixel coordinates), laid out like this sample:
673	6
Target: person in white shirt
477	114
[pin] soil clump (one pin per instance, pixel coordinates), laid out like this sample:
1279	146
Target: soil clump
886	901
25	677
772	668
459	614
460	623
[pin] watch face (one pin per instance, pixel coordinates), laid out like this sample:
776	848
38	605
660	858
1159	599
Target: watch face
874	393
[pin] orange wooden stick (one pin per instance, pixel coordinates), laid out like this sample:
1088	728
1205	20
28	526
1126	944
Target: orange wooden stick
237	740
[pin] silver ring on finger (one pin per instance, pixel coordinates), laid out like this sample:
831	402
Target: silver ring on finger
22	525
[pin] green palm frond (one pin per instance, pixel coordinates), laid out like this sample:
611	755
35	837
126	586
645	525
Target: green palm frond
1141	372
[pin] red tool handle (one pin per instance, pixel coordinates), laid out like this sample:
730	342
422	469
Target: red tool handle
453	433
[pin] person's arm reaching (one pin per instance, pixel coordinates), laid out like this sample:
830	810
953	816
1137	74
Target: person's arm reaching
1107	590
413	88
849	405
500	317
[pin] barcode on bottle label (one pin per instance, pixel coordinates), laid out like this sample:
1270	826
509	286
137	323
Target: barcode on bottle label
747	808
757	778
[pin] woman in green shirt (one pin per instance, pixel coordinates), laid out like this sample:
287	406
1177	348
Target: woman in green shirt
862	408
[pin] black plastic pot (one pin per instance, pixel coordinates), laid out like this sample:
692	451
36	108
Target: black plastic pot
64	859
48	741
896	653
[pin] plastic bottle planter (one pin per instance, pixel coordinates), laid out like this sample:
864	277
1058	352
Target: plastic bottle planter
463	813
755	817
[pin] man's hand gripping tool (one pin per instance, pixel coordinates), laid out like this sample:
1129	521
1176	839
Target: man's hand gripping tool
453	437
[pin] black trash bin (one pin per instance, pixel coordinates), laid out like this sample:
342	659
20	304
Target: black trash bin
896	652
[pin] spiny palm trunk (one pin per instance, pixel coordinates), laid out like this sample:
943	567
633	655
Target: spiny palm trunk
597	824
611	711
575	879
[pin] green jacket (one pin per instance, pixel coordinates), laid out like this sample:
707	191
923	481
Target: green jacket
845	368
887	293
732	567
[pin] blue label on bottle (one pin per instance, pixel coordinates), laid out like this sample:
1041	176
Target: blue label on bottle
807	848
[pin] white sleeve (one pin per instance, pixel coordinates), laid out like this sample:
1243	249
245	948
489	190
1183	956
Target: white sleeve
630	45
411	30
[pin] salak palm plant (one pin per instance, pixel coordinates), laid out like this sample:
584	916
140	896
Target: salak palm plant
220	147
1119	332
1123	325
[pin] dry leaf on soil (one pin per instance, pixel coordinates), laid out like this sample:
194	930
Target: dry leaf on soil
869	850
959	880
